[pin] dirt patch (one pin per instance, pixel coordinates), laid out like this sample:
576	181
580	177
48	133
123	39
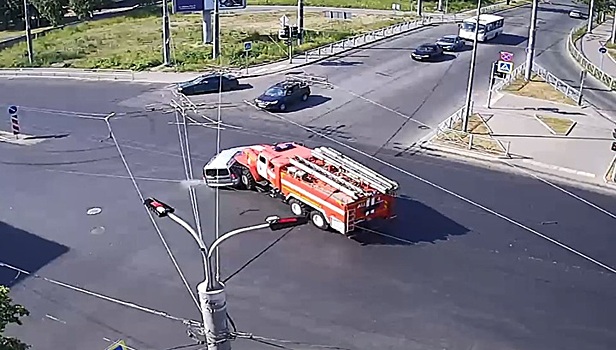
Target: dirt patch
557	126
477	138
537	88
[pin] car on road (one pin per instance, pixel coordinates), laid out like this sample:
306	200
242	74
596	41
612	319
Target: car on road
208	83
427	52
576	14
451	43
282	95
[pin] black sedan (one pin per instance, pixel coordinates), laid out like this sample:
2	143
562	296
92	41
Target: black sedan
208	83
279	96
451	43
427	52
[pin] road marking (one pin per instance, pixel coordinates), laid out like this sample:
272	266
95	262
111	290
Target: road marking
454	194
559	168
99	296
112	176
54	319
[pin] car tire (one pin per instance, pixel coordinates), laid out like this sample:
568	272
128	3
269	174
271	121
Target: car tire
297	208
247	180
304	97
318	220
282	107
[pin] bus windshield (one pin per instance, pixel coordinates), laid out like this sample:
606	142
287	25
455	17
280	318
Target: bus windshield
470	27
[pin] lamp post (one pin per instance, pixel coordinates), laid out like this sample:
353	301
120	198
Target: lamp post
471	75
212	297
613	39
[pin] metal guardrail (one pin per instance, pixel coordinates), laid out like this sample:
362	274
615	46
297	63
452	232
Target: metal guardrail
399	28
590	67
88	74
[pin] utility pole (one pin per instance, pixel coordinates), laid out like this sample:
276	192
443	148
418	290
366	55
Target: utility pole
212	297
582	78
28	33
471	75
613	39
439	7
591	10
300	22
530	48
166	35
216	42
419	7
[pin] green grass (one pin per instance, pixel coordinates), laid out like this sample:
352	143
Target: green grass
134	41
578	34
405	5
9	34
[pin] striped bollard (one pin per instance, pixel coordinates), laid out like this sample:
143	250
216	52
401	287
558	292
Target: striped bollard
15	125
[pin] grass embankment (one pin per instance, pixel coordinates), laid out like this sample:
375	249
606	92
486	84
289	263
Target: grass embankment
537	88
478	127
133	41
557	126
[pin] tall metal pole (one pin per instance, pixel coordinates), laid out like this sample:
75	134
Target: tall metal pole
530	48
216	43
614	27
591	10
300	22
439	7
471	75
419	7
28	33
166	35
582	78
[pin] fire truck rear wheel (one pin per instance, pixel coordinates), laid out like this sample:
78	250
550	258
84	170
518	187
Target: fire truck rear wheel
318	220
297	207
247	180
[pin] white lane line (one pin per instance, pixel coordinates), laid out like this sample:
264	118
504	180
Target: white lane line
585	201
100	296
54	319
454	194
559	168
113	176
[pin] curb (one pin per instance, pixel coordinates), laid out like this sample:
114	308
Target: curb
43	75
463	153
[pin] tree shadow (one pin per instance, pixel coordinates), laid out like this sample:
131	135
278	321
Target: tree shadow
338	63
415	223
507	39
312	101
26	251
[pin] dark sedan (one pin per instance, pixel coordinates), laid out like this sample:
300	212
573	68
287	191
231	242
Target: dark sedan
451	43
427	52
278	97
208	83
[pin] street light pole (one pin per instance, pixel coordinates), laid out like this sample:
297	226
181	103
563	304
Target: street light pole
471	75
28	33
591	10
613	40
216	41
166	35
530	49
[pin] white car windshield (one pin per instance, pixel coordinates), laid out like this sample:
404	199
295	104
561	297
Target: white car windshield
469	26
448	40
274	92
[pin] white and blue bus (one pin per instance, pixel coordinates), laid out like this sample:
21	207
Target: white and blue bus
490	26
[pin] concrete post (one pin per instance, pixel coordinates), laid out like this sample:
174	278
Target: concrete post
471	74
591	10
208	38
166	35
613	39
530	49
214	313
216	42
300	21
28	33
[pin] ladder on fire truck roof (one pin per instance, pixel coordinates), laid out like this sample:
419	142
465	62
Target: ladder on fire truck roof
355	170
336	182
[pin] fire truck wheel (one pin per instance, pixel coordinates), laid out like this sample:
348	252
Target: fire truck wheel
318	220
247	180
297	207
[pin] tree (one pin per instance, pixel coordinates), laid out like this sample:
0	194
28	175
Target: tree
51	10
10	313
83	8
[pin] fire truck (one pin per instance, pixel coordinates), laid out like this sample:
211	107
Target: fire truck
332	189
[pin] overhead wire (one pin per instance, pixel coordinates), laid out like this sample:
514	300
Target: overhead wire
141	197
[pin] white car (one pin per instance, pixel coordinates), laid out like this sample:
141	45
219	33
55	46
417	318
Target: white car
576	14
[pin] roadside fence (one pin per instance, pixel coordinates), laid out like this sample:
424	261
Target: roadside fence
74	73
590	67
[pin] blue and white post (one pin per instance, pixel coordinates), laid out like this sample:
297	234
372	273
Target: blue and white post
14	120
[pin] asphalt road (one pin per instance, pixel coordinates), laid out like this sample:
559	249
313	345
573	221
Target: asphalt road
455	276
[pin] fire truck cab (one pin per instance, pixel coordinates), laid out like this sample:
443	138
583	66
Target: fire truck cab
334	190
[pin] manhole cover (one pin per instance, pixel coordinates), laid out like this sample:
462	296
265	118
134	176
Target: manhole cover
94	211
97	230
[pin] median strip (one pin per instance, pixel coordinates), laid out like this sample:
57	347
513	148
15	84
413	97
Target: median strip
537	88
557	126
477	138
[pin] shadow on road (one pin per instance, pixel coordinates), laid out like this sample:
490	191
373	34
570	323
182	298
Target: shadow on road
415	223
507	39
25	251
339	63
312	101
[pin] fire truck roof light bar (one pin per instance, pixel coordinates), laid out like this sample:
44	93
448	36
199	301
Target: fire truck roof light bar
371	177
323	176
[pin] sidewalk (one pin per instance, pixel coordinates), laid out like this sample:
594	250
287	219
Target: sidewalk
592	42
543	137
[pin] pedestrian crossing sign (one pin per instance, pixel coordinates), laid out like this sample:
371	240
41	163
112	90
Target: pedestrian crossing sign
119	345
504	67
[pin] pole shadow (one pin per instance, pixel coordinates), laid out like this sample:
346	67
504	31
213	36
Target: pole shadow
26	251
415	223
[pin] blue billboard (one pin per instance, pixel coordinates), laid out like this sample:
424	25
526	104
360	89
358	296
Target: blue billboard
180	6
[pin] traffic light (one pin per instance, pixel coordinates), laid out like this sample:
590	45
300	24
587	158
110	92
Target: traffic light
295	32
283	223
284	33
614	133
157	207
614	146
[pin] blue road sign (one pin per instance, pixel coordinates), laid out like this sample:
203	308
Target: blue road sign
603	49
504	67
13	109
248	46
180	6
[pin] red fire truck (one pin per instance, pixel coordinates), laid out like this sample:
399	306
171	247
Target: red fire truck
334	190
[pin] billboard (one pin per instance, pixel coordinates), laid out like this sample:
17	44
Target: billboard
181	6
